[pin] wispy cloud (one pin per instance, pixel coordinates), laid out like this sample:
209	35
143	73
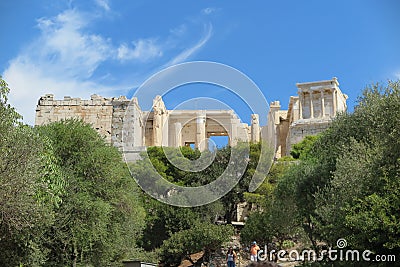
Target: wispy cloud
65	46
208	10
143	49
66	57
208	30
103	4
62	60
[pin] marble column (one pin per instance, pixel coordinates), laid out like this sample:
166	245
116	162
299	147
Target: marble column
165	130
300	106
177	134
311	106
201	141
157	128
322	104
233	133
334	102
255	128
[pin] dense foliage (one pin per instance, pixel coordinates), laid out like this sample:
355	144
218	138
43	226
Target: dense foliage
162	164
204	237
171	230
346	183
100	212
66	197
30	188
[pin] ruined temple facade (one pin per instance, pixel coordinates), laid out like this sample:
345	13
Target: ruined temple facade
122	122
308	113
126	126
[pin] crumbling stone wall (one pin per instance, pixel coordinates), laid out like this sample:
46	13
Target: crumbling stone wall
106	115
97	111
297	132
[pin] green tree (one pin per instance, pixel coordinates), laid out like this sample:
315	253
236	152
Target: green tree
265	192
100	214
302	149
204	237
347	184
168	171
162	221
361	201
240	191
258	227
30	188
277	217
8	114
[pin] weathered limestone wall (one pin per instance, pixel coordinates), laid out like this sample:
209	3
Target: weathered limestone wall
97	111
297	132
189	135
283	129
106	115
127	126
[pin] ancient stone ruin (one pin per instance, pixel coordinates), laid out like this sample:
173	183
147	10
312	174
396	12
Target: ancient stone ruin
126	126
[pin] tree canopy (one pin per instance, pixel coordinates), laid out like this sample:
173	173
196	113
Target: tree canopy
345	184
100	213
68	199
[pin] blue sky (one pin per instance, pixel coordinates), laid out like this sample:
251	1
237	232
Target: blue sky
110	47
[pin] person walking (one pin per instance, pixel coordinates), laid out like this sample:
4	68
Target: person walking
254	251
231	257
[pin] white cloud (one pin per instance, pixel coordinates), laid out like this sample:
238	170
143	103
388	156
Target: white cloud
208	10
191	50
61	60
28	82
143	49
103	4
64	45
65	56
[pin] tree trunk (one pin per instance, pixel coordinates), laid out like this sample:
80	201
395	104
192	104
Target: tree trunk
74	256
311	236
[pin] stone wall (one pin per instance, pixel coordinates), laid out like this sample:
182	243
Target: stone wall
128	128
97	111
122	123
297	132
106	115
